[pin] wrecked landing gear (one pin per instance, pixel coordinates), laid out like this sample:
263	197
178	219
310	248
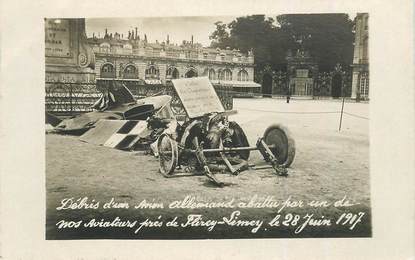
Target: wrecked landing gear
168	154
276	146
207	136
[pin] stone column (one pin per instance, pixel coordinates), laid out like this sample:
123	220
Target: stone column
235	73
162	71
142	66
355	82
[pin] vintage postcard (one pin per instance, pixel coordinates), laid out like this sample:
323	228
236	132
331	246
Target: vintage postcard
249	126
209	130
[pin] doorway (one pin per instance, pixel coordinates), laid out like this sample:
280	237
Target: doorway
336	86
267	85
191	74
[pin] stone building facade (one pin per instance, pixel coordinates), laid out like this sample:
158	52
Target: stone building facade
360	66
133	58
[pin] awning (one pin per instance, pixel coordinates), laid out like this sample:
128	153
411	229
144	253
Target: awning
238	84
153	81
116	79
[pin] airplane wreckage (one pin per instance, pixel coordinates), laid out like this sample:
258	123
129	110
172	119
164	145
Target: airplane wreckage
204	143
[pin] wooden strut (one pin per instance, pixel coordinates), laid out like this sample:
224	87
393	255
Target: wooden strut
202	160
269	157
261	146
228	149
228	164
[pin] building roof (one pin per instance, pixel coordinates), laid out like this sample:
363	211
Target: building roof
186	46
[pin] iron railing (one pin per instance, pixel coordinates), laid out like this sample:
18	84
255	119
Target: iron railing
72	98
322	86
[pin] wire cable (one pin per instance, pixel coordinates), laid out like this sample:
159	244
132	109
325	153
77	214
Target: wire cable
305	113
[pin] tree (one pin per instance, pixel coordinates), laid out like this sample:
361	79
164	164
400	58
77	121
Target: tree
254	32
220	36
328	37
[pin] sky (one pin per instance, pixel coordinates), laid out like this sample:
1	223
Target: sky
157	28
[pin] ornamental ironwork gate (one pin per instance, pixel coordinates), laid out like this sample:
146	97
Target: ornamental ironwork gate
280	83
336	83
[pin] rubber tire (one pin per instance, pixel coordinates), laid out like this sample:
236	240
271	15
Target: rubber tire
239	139
168	171
288	143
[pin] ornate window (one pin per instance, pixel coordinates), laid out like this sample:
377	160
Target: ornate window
172	73
191	73
130	72
242	75
226	74
108	71
152	72
210	73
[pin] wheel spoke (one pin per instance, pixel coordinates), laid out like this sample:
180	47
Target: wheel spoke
168	153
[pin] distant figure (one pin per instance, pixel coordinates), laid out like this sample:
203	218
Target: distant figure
288	96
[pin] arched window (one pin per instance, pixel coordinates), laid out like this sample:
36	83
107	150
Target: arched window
212	74
191	73
130	72
242	75
226	74
108	71
172	73
152	72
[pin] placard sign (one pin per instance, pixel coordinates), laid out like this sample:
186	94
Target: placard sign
57	38
198	96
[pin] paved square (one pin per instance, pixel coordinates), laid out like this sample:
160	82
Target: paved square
328	166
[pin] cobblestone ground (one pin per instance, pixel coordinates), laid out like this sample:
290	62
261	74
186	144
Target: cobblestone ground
329	165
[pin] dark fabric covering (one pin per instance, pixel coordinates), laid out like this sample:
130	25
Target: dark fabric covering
115	95
52	119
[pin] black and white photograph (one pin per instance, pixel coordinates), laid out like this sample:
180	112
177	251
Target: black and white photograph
207	127
255	129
